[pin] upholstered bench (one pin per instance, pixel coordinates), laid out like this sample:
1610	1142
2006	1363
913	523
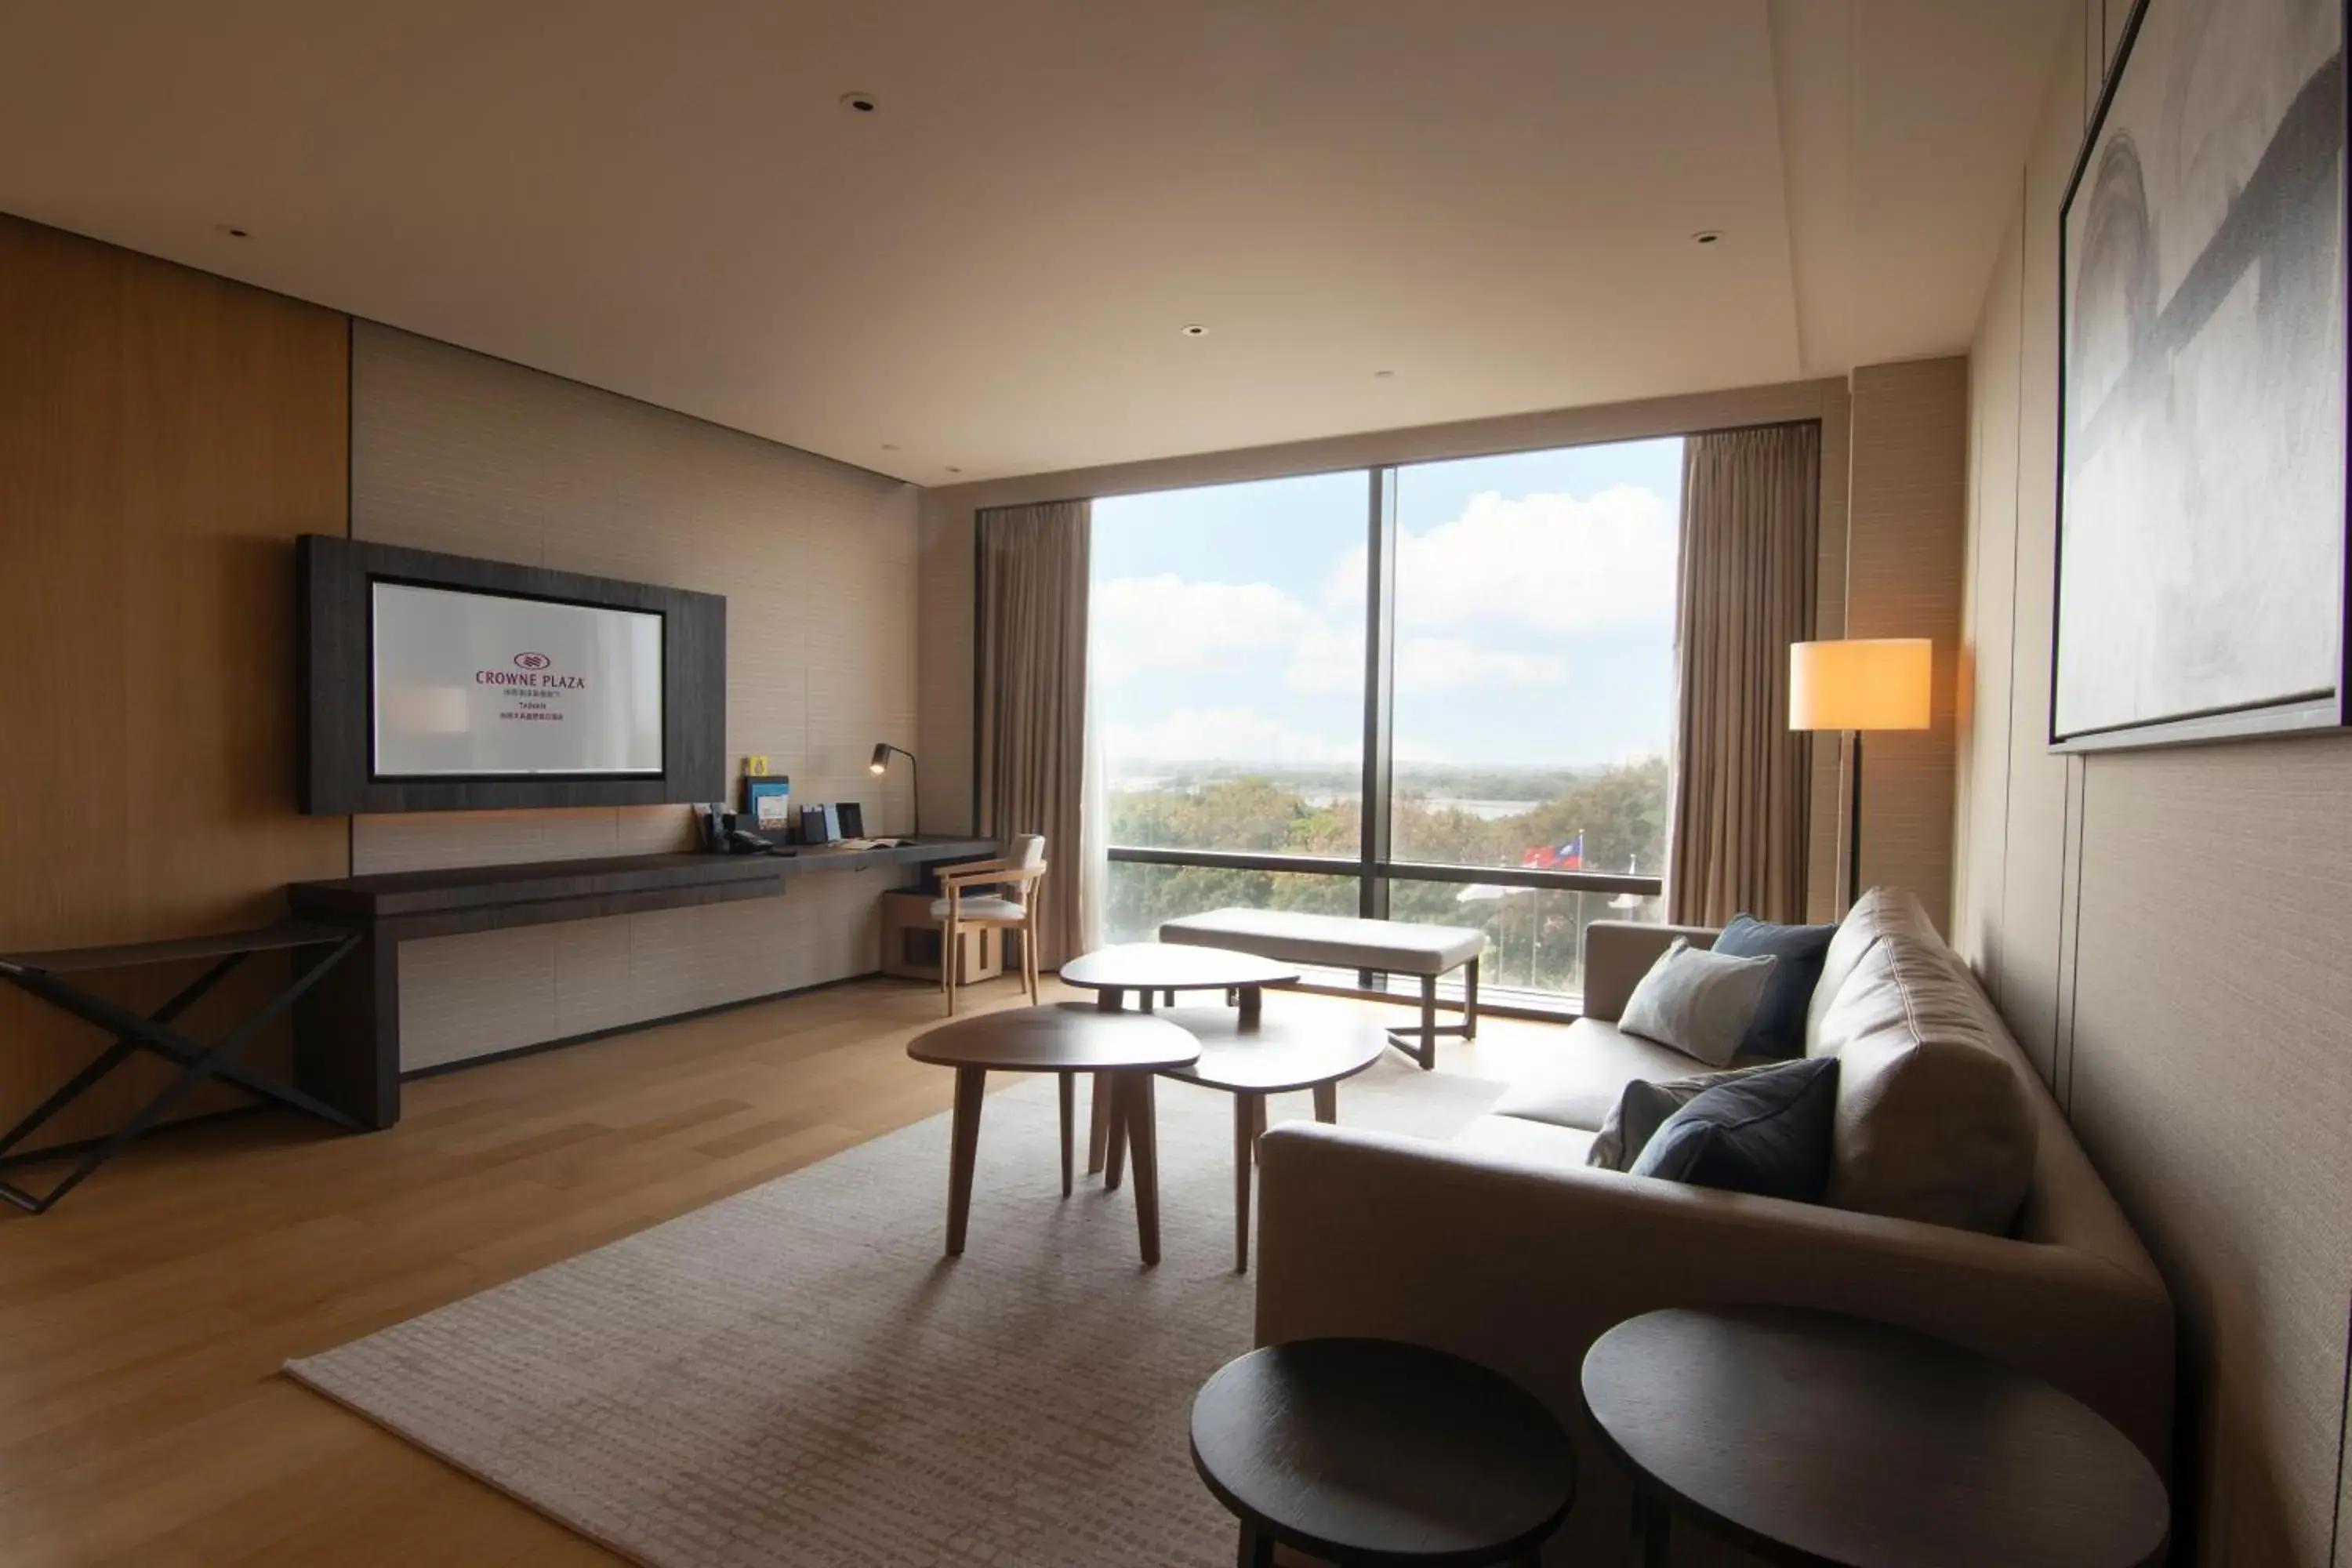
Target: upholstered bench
1338	942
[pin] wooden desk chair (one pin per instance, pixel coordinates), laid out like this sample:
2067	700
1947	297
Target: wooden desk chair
1002	893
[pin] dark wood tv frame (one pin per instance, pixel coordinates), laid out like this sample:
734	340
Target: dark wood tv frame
333	699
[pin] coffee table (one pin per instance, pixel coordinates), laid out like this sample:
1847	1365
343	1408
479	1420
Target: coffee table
1123	1049
1814	1438
1153	969
1371	1451
1250	1059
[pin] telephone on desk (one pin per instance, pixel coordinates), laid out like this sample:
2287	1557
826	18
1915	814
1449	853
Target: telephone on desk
722	836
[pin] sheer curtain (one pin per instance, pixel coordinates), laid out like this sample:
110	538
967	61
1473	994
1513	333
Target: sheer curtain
1750	530
1033	582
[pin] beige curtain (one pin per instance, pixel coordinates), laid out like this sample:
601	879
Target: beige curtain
1033	573
1751	509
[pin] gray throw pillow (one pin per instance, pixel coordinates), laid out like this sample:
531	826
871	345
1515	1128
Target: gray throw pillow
1698	1002
1643	1108
1769	1133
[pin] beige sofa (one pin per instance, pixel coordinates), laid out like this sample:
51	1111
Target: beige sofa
1506	1247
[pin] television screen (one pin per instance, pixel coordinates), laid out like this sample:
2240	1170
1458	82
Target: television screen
468	684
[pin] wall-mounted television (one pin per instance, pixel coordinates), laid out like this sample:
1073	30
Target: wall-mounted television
432	681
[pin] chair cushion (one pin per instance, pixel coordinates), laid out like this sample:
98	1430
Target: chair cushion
981	906
1779	1027
1934	1121
1698	1002
1765	1132
1594	1064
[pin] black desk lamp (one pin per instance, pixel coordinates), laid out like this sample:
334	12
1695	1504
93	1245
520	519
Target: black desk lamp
881	762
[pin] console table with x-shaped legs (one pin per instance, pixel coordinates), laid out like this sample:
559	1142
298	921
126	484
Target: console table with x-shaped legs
317	949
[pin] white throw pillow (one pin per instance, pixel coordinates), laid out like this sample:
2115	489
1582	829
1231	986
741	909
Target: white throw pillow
1697	1002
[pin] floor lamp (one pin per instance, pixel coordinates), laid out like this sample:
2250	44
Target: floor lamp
1858	684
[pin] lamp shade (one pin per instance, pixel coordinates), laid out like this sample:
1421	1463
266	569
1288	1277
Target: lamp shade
1860	683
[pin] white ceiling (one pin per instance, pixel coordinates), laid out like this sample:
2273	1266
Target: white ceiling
1492	199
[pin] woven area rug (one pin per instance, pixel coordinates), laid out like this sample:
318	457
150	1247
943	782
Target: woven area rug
795	1375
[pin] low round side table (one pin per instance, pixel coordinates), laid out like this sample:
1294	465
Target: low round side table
1817	1438
1067	1038
1374	1452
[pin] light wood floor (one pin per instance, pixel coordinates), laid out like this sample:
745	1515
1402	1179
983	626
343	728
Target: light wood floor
143	1323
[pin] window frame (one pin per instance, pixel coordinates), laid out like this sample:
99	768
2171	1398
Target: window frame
1373	866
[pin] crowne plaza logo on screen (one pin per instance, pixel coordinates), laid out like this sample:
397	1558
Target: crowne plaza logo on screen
537	674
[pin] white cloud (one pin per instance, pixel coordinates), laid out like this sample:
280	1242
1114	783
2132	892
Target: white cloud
1553	564
1447	664
1166	624
1223	735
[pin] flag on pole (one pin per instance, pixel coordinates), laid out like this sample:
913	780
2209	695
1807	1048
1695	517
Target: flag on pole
1570	857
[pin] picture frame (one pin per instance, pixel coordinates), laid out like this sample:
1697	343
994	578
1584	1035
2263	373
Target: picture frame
2200	569
767	803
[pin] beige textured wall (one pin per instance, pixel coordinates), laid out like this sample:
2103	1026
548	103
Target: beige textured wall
458	452
1906	543
2164	931
946	548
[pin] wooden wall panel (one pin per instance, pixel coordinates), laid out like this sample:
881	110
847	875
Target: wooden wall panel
2025	973
1984	685
1906	549
455	451
2165	933
2213	1084
164	436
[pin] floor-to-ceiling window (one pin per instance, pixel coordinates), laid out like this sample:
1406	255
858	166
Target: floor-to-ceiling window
1439	692
1534	696
1227	667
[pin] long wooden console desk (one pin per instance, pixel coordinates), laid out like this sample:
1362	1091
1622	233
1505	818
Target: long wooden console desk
347	1027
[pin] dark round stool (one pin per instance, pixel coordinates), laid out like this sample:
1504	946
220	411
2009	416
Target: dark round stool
1372	1452
1816	1438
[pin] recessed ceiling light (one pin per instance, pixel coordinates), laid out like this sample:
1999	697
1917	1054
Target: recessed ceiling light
1384	375
1707	236
1196	331
953	470
860	102
234	232
890	446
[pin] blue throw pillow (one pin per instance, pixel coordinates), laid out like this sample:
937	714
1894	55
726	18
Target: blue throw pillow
1767	1132
1778	1028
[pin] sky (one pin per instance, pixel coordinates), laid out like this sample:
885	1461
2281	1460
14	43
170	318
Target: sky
1535	614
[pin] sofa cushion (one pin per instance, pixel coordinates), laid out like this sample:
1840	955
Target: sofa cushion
1528	1142
1593	1065
1779	1027
1764	1133
1643	1107
1700	1003
1933	1118
1874	914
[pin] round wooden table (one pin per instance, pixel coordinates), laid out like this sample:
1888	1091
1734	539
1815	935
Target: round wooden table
1153	969
1372	1452
1157	969
1817	1438
1250	1059
1065	1039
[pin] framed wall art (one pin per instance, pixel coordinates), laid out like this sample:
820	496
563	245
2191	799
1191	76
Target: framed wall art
2202	523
